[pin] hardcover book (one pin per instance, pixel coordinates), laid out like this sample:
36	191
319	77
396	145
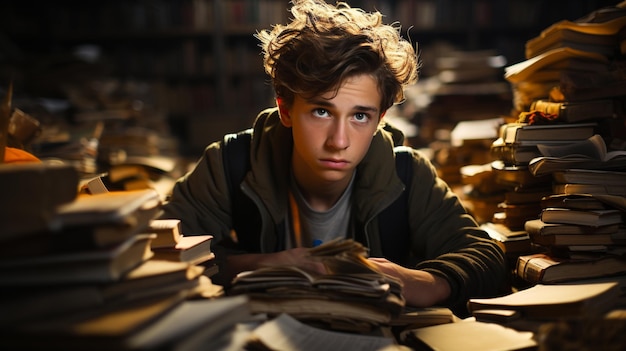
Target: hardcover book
168	232
554	301
537	227
541	133
591	218
192	249
590	177
547	269
94	266
576	112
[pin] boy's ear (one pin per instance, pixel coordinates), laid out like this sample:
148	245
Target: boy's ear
283	112
380	121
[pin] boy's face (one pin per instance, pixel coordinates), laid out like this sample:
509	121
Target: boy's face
332	133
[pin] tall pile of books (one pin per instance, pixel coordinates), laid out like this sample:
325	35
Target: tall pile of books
572	63
83	271
569	98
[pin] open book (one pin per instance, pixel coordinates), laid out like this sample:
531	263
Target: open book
588	154
353	294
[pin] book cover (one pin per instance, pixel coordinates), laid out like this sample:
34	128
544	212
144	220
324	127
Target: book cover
537	227
114	207
101	265
513	154
540	133
168	232
148	280
591	218
547	269
575	188
586	239
191	248
575	112
554	301
590	176
574	201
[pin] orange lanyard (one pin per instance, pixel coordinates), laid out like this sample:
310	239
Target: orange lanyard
295	221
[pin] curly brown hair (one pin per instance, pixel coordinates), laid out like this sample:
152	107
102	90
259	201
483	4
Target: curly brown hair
325	44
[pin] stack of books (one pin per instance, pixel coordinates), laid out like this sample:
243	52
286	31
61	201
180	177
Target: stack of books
567	107
518	146
352	296
583	235
575	66
84	273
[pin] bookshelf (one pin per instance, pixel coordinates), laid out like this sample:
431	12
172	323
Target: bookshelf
200	57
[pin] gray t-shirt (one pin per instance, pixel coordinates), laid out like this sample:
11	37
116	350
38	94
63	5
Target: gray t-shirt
319	227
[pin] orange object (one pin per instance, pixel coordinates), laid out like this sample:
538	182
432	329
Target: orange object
15	155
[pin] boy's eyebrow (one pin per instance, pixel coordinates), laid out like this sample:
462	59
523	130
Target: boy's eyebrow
326	103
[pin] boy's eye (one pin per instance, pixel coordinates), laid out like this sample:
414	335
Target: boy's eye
361	117
320	112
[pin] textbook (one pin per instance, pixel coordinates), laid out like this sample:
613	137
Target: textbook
585	201
513	154
512	133
537	227
585	239
543	268
152	278
94	266
111	208
591	218
590	177
168	232
556	301
576	112
192	249
573	201
576	188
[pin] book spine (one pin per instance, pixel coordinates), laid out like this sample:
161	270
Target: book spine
549	107
528	270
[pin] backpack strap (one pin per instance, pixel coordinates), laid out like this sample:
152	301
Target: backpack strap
393	222
236	160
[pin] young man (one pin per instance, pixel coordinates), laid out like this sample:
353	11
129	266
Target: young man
322	166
